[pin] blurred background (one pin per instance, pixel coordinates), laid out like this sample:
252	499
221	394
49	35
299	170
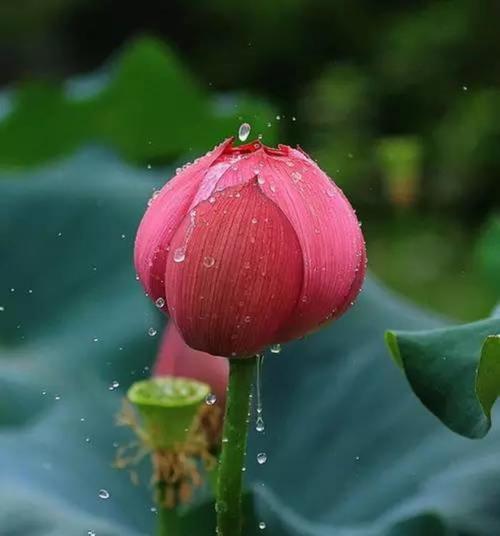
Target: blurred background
398	101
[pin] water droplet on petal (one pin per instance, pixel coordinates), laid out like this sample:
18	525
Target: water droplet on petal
179	254
103	494
211	399
296	176
261	458
276	349
261	180
152	332
244	131
208	262
254	220
211	200
160	302
247	319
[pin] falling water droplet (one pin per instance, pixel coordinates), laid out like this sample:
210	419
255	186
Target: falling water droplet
244	131
152	332
179	254
259	423
211	399
114	385
103	494
208	262
261	458
262	525
276	349
160	302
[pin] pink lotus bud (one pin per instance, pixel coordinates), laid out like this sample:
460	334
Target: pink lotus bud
176	358
250	246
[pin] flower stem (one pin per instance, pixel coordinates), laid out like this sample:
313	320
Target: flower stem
234	443
168	519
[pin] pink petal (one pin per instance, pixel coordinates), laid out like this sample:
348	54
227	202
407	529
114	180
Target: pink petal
163	217
241	275
176	358
328	232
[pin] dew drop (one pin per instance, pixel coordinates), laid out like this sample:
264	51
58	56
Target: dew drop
247	319
278	117
160	302
244	131
259	423
208	262
261	458
225	440
91	533
152	332
211	200
211	399
2	308
262	525
57	397
296	176
276	349
294	118
269	124
179	254
465	88
103	494
254	220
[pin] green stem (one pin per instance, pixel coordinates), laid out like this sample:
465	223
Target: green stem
234	443
168	519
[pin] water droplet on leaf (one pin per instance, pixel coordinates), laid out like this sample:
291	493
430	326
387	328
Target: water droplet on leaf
276	349
262	525
152	332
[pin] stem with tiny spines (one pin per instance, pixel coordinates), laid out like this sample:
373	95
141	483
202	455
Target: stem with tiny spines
230	476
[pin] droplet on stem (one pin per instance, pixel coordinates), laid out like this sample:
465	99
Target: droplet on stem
276	349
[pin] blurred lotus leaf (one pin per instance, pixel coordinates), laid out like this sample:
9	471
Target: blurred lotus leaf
144	105
351	451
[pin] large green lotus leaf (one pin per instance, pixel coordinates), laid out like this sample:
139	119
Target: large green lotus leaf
351	451
144	105
455	371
